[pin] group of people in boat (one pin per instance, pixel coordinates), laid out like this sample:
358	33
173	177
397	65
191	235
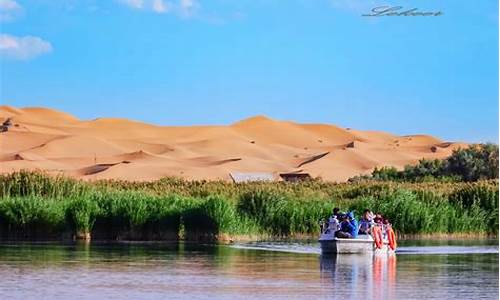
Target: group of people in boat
345	225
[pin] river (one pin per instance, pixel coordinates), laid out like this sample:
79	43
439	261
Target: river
266	270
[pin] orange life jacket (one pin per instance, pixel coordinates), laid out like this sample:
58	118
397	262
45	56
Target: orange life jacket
391	236
377	236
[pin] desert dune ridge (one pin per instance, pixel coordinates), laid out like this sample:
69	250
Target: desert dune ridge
113	148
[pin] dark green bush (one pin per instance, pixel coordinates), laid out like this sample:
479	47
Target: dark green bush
477	162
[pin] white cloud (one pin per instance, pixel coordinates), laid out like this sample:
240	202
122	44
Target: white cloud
187	7
160	7
23	48
9	5
184	8
9	10
187	4
137	4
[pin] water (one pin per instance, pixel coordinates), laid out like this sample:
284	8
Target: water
420	270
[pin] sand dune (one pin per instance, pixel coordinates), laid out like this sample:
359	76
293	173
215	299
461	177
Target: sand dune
111	148
77	146
310	159
91	170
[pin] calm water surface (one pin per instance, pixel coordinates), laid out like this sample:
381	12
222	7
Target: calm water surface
420	270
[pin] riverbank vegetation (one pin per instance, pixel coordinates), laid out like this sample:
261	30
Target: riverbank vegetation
477	162
34	205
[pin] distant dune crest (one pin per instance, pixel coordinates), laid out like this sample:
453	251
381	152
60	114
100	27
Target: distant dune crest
111	148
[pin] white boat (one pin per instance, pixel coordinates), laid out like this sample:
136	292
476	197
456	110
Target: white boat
362	244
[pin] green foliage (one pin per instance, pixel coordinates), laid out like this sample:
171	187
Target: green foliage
268	209
479	197
281	215
412	212
25	183
138	215
477	162
210	217
35	202
27	213
386	173
81	213
474	163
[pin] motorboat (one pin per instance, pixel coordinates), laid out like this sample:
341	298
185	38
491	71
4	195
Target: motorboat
381	239
361	244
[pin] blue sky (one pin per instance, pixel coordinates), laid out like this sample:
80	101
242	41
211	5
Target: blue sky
184	62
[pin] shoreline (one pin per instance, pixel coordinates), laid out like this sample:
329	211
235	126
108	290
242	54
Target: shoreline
230	239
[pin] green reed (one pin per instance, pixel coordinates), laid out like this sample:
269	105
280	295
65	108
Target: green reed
31	216
280	215
34	203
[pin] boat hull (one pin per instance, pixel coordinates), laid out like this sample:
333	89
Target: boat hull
332	245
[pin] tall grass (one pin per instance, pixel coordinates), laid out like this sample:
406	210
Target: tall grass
413	213
81	213
31	217
479	197
137	215
26	183
34	204
281	215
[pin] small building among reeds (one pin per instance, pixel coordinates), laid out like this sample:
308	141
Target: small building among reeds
240	177
295	177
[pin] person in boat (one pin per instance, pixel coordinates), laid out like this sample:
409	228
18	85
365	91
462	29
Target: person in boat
332	224
337	213
333	221
366	222
382	222
378	220
386	225
348	227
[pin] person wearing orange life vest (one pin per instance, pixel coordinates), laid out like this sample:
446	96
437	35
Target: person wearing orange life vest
390	235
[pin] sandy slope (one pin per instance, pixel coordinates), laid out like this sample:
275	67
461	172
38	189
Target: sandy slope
118	148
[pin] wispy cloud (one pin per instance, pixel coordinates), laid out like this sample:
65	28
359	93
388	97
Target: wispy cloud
23	48
160	7
183	8
9	10
188	7
137	4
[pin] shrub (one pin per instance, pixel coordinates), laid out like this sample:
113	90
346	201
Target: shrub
474	163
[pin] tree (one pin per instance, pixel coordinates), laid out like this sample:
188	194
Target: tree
475	162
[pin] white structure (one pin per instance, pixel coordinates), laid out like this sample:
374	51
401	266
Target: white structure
239	177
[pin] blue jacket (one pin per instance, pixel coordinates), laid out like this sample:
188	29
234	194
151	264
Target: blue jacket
350	226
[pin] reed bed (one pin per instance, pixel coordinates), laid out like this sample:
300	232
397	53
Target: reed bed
34	205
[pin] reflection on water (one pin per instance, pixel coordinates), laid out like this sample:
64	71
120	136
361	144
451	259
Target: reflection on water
180	271
360	276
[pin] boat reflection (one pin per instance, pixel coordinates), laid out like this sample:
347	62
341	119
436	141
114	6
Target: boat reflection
370	276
